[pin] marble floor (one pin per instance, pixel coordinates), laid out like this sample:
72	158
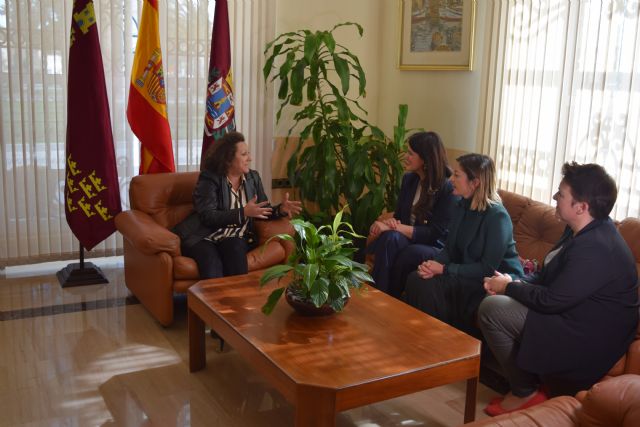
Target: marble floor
92	356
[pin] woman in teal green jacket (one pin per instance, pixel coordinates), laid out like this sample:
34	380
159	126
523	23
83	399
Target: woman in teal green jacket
480	242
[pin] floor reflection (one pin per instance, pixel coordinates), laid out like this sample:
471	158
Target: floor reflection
113	365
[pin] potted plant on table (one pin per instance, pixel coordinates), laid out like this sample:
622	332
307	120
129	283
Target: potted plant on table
321	266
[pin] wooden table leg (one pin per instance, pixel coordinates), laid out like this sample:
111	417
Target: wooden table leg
470	403
197	355
315	407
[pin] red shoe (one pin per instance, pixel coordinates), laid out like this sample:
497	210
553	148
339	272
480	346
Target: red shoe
494	409
496	399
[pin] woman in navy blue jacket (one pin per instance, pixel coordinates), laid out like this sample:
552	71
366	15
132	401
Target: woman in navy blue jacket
419	224
569	324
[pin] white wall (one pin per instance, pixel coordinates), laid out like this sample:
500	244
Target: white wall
292	15
444	101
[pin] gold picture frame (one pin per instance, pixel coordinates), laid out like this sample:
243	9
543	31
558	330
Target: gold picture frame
436	34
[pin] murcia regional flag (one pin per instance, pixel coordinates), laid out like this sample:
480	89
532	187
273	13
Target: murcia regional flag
91	192
147	107
219	117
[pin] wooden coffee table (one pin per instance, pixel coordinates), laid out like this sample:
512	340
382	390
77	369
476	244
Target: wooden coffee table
376	349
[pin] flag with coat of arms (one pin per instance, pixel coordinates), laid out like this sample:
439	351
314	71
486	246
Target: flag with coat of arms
147	106
91	191
219	115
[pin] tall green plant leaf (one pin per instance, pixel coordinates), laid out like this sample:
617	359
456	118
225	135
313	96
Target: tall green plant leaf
329	41
344	24
297	81
342	68
311	44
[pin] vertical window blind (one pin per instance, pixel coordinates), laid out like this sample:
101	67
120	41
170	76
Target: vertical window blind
563	84
34	46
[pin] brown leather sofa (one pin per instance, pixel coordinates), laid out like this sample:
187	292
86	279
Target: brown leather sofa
612	402
154	268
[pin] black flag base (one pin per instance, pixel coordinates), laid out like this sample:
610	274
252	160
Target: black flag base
75	275
81	273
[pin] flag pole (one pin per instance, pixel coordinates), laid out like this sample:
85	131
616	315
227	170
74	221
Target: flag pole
80	274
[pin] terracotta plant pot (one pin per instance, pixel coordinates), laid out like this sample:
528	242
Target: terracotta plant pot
305	307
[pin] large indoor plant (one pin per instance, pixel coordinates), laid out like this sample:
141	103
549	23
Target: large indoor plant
321	266
339	157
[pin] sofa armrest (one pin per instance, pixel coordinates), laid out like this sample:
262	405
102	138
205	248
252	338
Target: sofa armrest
150	278
267	229
146	235
558	412
632	365
613	402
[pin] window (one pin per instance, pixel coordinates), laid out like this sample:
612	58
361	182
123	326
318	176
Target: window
564	85
34	47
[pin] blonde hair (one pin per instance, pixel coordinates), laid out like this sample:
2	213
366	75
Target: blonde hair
482	168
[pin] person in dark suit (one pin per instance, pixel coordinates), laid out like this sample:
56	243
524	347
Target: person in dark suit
480	241
570	323
228	197
419	224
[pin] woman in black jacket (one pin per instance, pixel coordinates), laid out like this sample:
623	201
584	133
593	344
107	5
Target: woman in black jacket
419	224
570	323
227	198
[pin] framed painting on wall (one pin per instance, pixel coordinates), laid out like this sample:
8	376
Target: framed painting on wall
436	34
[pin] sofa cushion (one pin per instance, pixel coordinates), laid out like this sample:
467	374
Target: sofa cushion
537	231
629	228
166	197
515	204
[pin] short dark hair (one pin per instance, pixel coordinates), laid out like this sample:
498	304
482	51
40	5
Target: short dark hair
429	146
591	184
220	155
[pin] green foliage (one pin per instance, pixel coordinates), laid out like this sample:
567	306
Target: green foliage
350	161
322	264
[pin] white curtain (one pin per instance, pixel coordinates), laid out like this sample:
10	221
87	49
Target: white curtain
563	84
34	46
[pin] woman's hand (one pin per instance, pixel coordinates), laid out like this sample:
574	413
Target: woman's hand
429	269
497	284
257	210
290	208
377	228
392	223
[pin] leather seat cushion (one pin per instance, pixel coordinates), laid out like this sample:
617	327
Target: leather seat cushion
630	230
515	204
537	231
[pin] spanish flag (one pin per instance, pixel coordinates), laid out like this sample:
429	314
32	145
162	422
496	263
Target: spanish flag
147	107
91	191
219	117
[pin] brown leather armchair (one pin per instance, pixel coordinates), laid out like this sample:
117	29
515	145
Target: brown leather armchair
612	402
154	268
